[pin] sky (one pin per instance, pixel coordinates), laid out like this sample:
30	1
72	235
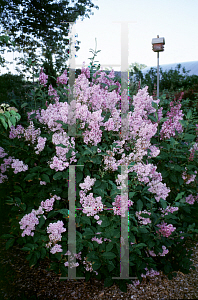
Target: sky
175	20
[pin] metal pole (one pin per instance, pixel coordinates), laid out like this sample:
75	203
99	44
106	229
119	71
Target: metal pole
157	72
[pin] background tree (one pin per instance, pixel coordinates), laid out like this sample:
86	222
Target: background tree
35	24
5	43
135	77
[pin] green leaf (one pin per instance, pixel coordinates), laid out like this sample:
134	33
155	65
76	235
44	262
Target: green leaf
179	196
141	245
189	114
33	260
96	265
24	104
79	176
85	220
142	230
188	136
173	177
163	203
110	265
69	154
6	236
97	183
9	243
98	191
45	177
58	175
109	247
7	114
112	87
139	205
131	194
41	221
108	255
30	176
26	249
29	256
92	255
108	282
167	268
150	244
63	211
152	118
3	122
163	120
61	145
105	221
13	120
23	206
122	286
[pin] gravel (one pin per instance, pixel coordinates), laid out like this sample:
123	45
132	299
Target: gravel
21	280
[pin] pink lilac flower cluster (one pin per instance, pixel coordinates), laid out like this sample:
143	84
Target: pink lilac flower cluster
62	79
30	134
166	230
140	125
191	200
172	124
88	265
168	209
53	92
18	166
154	151
104	79
192	151
143	220
96	97
43	183
120	205
13	163
41	144
72	265
54	112
141	130
3	177
86	71
78	256
55	229
90	204
2	153
37	112
48	203
150	273
43	78
160	114
165	251
16	132
188	178
59	161
147	174
5	165
29	221
99	240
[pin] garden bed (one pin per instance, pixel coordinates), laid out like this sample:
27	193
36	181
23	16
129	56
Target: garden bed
19	281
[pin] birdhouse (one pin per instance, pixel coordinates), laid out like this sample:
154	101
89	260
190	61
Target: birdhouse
158	44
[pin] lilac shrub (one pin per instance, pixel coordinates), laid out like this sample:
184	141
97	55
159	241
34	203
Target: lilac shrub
162	192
